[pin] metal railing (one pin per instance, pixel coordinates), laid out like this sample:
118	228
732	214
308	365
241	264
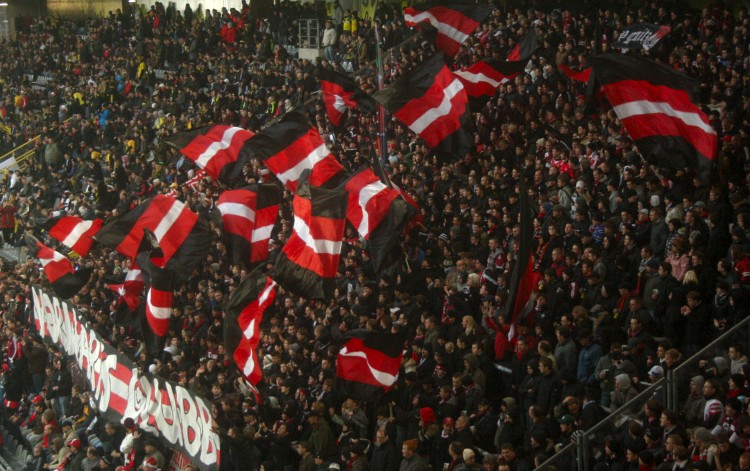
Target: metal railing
670	391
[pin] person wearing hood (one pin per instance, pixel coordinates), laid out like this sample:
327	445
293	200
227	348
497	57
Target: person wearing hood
693	408
624	391
509	425
527	390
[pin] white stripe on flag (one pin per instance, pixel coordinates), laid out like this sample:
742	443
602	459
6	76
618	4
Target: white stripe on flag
339	104
641	107
157	311
226	141
169	219
262	233
78	231
365	195
444	28
237	209
332	247
386	379
480	78
445	107
293	174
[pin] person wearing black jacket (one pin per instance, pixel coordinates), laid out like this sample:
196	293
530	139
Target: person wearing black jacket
385	456
61	385
549	387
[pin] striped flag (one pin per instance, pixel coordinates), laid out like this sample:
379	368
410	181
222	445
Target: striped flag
131	288
521	299
181	233
159	297
217	149
656	104
293	145
453	23
432	102
74	232
378	212
249	215
254	295
65	280
368	363
308	262
340	94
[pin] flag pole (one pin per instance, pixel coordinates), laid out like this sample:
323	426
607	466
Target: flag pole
381	84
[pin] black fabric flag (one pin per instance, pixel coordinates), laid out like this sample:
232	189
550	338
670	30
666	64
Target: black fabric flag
368	363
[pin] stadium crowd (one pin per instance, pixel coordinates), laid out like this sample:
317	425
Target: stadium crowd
637	267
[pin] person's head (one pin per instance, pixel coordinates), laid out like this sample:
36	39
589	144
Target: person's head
409	448
507	452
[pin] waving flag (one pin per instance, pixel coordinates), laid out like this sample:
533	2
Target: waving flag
341	93
217	149
248	215
482	79
432	102
181	234
656	106
641	35
292	146
576	75
308	262
74	232
453	23
368	363
65	280
254	295
378	213
523	50
159	297
521	299
131	288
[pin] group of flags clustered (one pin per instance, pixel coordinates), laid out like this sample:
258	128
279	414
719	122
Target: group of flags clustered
165	240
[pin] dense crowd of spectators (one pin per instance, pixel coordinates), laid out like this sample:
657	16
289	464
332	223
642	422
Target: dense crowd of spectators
637	267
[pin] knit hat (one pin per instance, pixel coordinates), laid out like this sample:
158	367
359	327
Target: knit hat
427	415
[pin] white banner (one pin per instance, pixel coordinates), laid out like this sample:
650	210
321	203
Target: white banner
167	410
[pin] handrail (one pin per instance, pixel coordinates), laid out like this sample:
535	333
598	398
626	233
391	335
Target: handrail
666	383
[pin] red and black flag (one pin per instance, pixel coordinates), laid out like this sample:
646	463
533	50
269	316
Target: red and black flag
130	288
520	301
657	106
482	79
74	232
159	297
217	149
182	235
432	102
65	280
293	145
248	215
341	93
308	262
453	23
368	363
254	295
378	212
523	50
582	75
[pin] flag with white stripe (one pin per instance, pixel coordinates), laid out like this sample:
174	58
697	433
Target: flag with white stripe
217	149
254	295
248	216
159	296
378	212
65	280
433	103
293	145
657	106
341	93
368	363
182	234
452	22
131	287
74	232
308	262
